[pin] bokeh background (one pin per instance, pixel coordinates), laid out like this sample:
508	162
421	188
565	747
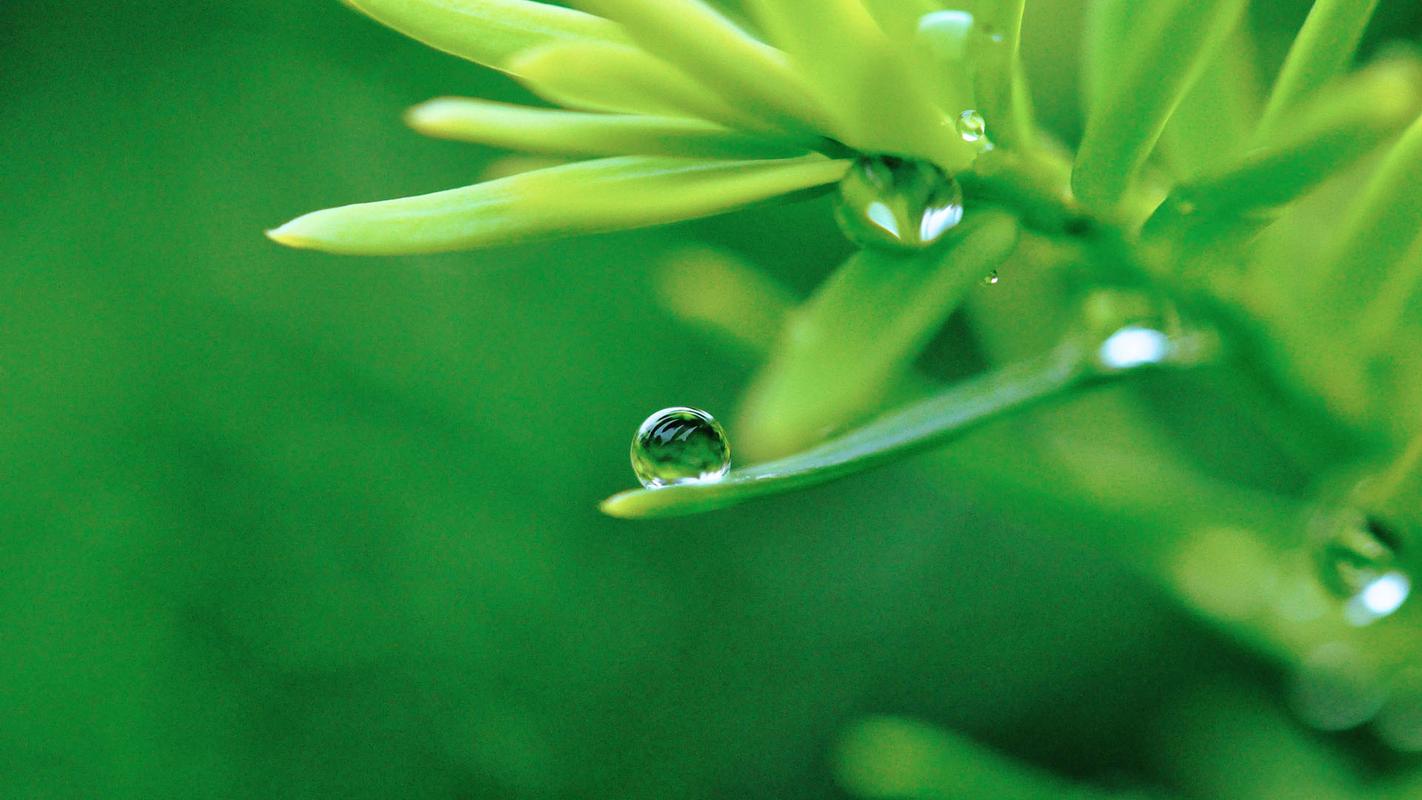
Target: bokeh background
281	524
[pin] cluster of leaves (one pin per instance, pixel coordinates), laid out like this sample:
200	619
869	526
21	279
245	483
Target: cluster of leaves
1286	220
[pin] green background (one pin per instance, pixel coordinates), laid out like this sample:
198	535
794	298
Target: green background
281	524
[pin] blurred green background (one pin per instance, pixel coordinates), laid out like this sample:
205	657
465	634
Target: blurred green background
279	524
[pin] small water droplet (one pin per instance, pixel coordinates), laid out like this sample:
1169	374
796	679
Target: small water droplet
992	278
680	445
1133	346
897	204
972	127
1357	561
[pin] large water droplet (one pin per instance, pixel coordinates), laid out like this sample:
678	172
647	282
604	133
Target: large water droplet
972	127
897	203
680	445
1357	561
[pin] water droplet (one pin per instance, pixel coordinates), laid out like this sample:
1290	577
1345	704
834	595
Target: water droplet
680	445
1357	561
1133	346
897	203
992	278
972	127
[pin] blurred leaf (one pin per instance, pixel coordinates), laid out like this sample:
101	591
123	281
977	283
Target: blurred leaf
487	32
840	354
610	77
1157	65
700	40
1322	50
586	197
536	130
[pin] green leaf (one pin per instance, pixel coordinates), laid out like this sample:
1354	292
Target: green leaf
900	18
1325	137
1158	65
1322	51
704	43
951	413
1002	95
488	32
537	130
879	103
618	78
841	354
1109	25
1216	119
586	197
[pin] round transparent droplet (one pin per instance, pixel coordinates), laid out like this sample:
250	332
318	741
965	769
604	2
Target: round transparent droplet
897	204
1357	562
1133	346
680	445
972	127
992	278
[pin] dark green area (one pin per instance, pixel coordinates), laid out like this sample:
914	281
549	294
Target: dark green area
278	524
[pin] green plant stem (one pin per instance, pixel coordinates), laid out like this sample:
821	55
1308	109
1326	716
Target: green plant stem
1322	50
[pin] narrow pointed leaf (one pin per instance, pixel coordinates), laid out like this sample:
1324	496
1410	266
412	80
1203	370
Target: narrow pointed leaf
1381	229
933	421
1216	120
1109	27
488	32
618	78
841	354
1327	135
1001	82
1158	66
879	103
706	44
586	197
1322	51
538	130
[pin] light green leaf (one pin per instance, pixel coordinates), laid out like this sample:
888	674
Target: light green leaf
900	18
1325	136
700	40
1158	65
538	130
619	78
1002	95
1109	26
488	32
840	355
1216	120
951	413
586	197
879	103
1322	51
1379	232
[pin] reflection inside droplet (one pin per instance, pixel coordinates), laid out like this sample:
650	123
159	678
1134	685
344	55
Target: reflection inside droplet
899	204
1357	562
680	445
1379	599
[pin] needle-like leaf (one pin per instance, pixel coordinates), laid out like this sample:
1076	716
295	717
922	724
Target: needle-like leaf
1328	134
953	412
706	44
1158	65
598	76
539	130
840	355
488	32
586	197
1322	50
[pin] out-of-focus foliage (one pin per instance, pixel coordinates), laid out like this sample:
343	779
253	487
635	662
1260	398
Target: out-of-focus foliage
287	525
